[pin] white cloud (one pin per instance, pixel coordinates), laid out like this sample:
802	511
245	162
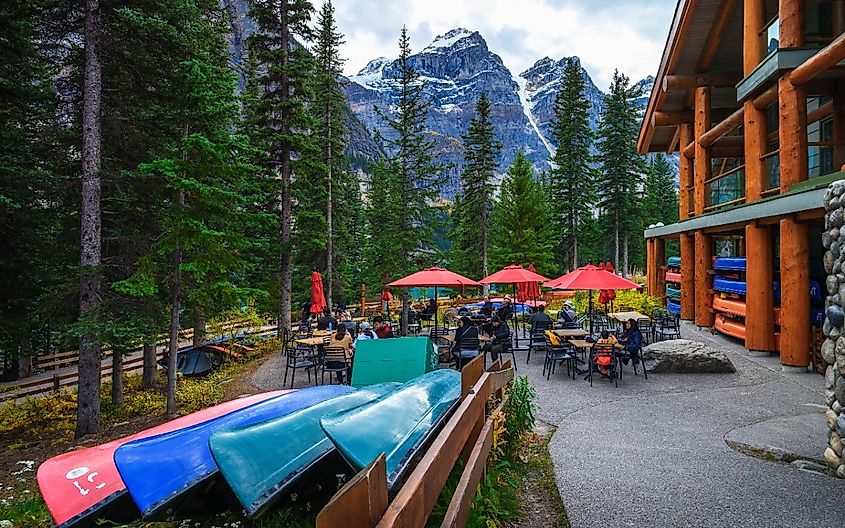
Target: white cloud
605	34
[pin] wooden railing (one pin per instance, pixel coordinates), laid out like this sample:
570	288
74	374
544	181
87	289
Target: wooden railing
363	502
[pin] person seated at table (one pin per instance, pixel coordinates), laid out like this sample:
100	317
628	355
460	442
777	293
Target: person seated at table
501	334
430	308
328	321
366	333
342	339
486	308
567	313
383	329
632	340
540	315
505	312
603	362
466	332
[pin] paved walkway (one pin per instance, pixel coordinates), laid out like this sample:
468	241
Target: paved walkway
655	452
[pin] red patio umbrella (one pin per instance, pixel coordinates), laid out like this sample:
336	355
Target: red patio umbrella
434	277
318	299
533	287
591	278
513	274
522	292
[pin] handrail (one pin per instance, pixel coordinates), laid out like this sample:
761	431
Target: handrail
724	204
725	174
771	154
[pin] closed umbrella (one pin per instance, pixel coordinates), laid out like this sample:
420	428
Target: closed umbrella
513	274
591	278
533	287
318	299
434	277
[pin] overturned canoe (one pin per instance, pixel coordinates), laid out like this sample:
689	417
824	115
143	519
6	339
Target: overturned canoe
673	276
673	306
729	263
726	285
673	262
403	420
262	461
673	293
174	473
84	486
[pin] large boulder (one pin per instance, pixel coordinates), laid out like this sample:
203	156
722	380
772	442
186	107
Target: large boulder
683	355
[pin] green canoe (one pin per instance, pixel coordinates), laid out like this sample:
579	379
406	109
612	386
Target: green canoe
398	424
260	462
673	293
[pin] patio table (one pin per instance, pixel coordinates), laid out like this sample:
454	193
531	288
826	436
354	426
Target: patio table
570	333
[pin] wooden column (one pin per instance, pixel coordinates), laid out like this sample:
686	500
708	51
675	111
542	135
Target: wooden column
753	18
660	273
702	155
791	14
760	298
649	266
687	243
792	102
703	265
795	295
685	171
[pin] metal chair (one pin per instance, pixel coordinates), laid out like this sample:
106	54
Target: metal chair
299	357
647	329
669	328
469	349
334	361
538	337
563	352
507	348
604	351
634	358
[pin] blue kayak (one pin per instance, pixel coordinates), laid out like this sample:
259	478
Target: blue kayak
673	262
174	473
724	285
398	424
261	462
672	306
730	264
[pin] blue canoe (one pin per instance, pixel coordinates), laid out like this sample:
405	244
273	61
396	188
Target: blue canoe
673	262
174	473
730	264
815	291
404	421
262	462
672	306
724	285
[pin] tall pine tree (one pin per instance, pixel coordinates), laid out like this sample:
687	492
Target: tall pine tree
659	196
284	69
414	172
471	212
571	176
621	167
521	229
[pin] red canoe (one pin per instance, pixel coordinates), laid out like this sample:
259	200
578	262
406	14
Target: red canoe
736	329
79	487
736	307
672	276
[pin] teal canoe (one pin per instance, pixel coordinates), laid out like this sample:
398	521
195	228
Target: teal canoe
261	462
398	424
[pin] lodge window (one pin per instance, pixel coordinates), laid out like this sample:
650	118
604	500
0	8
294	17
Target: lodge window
824	20
819	136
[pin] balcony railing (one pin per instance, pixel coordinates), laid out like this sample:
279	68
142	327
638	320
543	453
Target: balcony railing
771	173
725	189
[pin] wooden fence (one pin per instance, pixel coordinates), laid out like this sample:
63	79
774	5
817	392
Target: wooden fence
363	502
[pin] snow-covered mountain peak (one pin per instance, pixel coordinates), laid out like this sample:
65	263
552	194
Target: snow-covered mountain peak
455	38
375	66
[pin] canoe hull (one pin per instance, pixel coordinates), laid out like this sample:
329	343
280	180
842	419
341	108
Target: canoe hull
97	491
174	474
673	262
405	419
673	276
261	463
672	306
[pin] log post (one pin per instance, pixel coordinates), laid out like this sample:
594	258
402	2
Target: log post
649	265
792	134
795	295
759	301
753	19
703	265
685	170
660	261
687	243
791	15
702	154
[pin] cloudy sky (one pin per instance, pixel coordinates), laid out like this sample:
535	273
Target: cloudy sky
605	34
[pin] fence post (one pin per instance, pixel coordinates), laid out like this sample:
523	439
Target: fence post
56	383
361	502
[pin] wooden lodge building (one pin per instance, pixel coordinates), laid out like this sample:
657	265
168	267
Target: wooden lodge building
751	94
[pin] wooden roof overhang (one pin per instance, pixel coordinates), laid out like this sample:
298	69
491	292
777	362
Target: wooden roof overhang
704	47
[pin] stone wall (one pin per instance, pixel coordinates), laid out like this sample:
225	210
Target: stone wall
833	350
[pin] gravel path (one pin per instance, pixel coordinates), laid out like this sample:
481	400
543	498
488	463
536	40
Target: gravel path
653	452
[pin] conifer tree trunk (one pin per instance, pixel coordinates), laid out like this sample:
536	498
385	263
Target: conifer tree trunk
616	239
199	327
625	255
88	404
574	255
286	225
329	234
148	380
174	325
485	240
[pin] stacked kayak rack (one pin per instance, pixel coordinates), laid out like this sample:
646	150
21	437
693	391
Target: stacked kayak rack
673	284
729	296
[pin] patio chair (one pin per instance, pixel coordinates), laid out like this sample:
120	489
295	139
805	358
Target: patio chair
414	323
604	351
623	354
334	361
507	348
537	339
444	346
669	327
298	357
647	329
470	348
563	352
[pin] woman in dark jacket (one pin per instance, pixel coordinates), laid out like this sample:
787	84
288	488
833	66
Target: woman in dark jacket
466	332
632	340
